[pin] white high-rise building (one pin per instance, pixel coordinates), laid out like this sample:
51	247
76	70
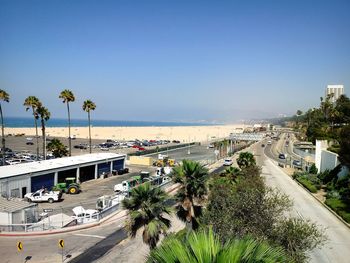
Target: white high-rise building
336	90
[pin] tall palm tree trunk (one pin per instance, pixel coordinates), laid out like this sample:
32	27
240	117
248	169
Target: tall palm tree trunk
69	138
44	137
2	137
36	135
89	131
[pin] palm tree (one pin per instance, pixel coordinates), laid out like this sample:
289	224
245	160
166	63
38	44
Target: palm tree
4	96
44	115
57	148
205	247
67	97
299	113
232	173
146	207
33	103
192	176
246	159
89	106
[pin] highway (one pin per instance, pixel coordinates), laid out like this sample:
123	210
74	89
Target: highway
307	207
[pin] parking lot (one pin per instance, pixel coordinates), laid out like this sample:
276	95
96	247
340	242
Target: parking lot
91	190
19	144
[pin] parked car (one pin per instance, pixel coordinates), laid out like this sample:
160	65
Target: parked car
228	162
29	143
176	141
297	163
269	142
104	149
282	156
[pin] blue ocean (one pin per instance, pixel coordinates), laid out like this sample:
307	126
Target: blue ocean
29	122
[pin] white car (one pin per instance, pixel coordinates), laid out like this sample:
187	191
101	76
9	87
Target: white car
228	162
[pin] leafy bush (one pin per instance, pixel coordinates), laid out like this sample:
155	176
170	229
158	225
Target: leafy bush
325	176
310	181
307	183
340	207
333	194
313	169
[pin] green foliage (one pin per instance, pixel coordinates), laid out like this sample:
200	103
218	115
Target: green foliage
325	176
340	207
246	159
205	247
344	142
313	169
249	207
306	183
57	148
298	237
146	207
330	122
192	176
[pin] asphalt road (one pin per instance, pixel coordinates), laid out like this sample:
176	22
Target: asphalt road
307	207
193	152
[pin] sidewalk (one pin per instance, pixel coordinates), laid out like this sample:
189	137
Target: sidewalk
134	250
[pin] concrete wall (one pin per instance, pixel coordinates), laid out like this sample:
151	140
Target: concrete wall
5	219
320	146
329	160
141	160
12	187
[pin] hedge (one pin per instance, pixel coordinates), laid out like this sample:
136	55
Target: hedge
339	207
306	183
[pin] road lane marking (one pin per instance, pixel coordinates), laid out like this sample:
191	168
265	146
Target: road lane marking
86	235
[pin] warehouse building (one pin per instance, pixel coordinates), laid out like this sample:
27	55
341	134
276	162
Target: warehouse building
17	180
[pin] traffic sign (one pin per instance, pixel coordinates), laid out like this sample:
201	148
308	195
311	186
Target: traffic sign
61	243
47	210
19	246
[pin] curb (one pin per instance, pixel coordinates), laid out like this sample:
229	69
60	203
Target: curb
324	205
318	200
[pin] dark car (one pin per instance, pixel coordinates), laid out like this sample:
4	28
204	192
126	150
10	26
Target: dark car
30	143
297	163
176	141
263	145
282	156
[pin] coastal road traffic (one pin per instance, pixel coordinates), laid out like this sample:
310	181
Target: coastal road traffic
307	207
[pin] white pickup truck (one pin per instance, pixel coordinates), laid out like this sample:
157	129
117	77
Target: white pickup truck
43	195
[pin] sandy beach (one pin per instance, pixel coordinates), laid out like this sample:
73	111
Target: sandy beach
181	133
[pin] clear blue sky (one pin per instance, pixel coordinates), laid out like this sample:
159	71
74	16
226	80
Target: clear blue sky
174	60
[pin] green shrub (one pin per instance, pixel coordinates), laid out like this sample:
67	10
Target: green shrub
308	184
313	169
340	207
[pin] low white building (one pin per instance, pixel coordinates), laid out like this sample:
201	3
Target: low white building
15	211
17	180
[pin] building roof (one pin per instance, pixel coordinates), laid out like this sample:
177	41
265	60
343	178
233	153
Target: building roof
13	205
34	167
